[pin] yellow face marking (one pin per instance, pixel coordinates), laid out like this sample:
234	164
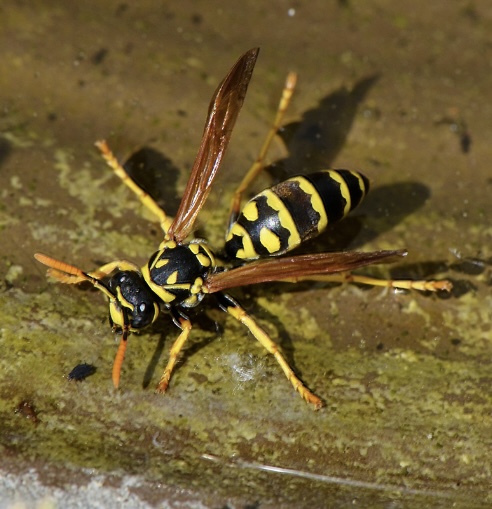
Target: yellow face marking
248	252
122	299
171	280
316	201
250	211
269	240
116	314
284	216
344	190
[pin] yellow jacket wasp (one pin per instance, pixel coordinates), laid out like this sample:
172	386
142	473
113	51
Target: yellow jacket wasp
181	273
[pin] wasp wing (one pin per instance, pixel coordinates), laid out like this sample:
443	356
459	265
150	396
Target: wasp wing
222	114
293	267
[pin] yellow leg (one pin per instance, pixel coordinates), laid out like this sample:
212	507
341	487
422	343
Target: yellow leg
257	166
185	325
145	198
233	308
424	285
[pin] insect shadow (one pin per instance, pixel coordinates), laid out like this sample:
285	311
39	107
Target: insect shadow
5	150
315	141
157	175
201	322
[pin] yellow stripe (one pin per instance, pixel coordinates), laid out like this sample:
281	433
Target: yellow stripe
163	294
316	201
284	216
248	252
158	290
250	211
197	286
209	253
157	310
344	190
171	280
194	248
167	244
116	314
269	240
160	262
362	184
122	299
203	254
203	259
191	301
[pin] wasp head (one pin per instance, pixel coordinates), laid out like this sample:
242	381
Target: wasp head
134	303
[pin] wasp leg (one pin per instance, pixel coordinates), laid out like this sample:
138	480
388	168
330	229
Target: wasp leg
229	305
424	285
145	198
120	354
257	166
183	322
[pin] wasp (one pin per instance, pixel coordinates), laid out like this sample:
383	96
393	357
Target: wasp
184	270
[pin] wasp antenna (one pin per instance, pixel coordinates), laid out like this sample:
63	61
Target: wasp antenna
58	265
69	274
61	271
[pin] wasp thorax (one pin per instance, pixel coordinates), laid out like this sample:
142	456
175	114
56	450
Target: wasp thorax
134	298
176	272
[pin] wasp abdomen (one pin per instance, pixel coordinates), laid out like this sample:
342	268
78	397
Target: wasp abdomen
281	217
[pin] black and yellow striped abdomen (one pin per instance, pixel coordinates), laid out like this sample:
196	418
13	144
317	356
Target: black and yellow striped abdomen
300	208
